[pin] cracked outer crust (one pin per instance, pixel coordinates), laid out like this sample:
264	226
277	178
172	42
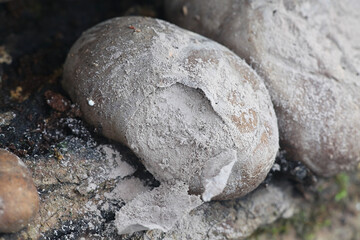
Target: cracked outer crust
183	103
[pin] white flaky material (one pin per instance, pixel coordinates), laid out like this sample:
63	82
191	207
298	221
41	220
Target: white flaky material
159	209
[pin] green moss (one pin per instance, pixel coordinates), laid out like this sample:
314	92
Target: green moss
62	145
304	224
342	180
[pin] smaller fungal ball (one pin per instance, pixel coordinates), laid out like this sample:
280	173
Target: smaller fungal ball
19	200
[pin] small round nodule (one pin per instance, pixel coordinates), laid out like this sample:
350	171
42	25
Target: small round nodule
19	200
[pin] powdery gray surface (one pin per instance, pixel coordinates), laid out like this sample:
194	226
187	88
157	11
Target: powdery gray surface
309	55
127	190
159	208
188	107
235	219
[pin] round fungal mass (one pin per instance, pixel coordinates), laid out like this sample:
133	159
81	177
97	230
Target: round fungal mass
19	200
308	53
189	108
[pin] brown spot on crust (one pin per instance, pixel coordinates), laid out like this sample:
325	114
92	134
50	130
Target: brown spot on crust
246	122
197	57
264	138
233	99
246	74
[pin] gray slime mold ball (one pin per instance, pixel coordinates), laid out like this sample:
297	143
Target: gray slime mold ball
189	108
308	53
